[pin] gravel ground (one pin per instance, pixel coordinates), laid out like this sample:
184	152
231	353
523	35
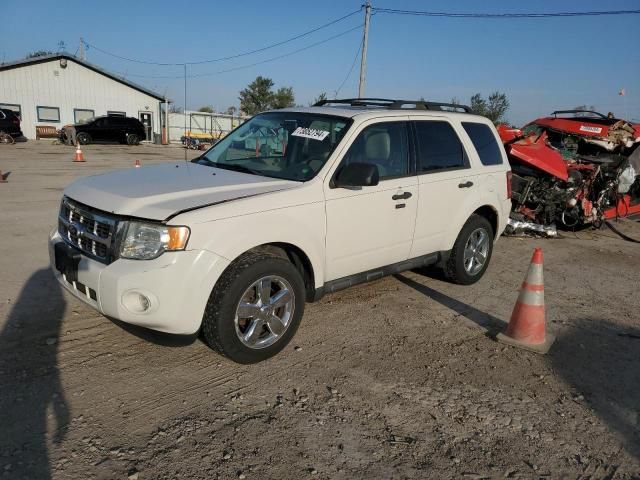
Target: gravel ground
399	378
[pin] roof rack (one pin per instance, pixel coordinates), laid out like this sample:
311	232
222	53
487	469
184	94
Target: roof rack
396	104
555	114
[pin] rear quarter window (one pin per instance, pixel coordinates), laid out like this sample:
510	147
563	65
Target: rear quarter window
484	142
439	147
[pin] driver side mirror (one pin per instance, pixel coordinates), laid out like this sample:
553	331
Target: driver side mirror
357	175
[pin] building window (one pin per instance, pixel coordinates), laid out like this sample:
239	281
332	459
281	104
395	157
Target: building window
111	113
81	115
12	106
48	114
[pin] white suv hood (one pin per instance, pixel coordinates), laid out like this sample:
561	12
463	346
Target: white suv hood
157	192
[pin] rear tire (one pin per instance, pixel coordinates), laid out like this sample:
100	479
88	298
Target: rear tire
226	328
471	253
133	139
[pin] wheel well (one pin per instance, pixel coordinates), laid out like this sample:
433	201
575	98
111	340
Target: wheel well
296	256
490	214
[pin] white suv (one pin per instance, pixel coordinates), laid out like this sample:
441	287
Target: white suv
291	205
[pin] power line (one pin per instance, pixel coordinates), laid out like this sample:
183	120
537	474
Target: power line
230	57
504	15
241	67
353	64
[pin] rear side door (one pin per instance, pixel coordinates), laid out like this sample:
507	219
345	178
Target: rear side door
445	178
371	227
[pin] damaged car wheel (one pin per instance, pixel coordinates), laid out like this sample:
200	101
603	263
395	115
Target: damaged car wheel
471	253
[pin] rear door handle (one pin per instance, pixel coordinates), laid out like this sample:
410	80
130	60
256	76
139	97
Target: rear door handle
401	196
465	184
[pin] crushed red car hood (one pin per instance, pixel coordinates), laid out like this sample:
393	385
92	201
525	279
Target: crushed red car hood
534	151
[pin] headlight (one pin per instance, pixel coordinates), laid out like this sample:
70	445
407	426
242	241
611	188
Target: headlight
145	241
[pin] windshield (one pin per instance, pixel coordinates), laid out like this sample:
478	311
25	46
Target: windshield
287	145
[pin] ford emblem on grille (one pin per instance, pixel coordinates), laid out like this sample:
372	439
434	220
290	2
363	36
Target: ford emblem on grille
75	229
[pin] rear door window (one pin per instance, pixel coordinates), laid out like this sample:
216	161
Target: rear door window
438	147
485	143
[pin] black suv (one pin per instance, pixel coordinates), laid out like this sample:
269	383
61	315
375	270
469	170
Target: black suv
109	128
10	123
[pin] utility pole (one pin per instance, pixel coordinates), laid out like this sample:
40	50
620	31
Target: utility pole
82	54
365	41
185	112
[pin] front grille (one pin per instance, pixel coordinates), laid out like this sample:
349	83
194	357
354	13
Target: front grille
90	231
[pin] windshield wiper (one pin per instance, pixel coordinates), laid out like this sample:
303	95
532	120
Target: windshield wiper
235	168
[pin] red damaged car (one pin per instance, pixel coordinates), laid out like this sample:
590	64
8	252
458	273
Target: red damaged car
571	169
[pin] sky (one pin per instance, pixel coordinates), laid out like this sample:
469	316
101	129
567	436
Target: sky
540	64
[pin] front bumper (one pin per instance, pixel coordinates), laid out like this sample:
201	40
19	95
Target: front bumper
177	285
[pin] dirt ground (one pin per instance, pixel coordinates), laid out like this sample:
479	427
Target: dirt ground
395	379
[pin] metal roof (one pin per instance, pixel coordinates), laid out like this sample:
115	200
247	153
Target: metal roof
57	56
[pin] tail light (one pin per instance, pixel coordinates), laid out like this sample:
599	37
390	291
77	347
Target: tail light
509	184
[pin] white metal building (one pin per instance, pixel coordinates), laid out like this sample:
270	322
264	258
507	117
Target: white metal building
60	89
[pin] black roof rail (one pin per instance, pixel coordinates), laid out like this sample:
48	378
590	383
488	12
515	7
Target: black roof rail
555	114
395	104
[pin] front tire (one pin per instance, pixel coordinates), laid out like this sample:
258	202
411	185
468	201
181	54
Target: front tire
133	139
471	252
83	138
255	308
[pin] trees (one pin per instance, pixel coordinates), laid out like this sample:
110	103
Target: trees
494	107
259	96
589	108
231	110
206	109
283	98
38	53
173	108
319	98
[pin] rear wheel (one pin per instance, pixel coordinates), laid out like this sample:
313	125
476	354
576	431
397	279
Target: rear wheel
83	138
255	308
6	138
133	139
471	252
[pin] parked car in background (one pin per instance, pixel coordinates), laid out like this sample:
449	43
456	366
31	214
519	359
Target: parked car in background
109	128
10	123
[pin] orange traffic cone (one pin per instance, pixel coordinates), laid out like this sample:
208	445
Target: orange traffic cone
527	325
79	157
137	163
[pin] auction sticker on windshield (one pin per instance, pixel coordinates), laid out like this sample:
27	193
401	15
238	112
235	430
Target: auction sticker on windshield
310	133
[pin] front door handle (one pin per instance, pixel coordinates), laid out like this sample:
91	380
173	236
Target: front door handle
465	184
401	196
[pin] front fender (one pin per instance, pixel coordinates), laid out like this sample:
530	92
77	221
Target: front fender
302	226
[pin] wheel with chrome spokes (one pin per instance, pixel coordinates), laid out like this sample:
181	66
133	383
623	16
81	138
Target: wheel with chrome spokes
471	253
476	250
265	312
255	308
